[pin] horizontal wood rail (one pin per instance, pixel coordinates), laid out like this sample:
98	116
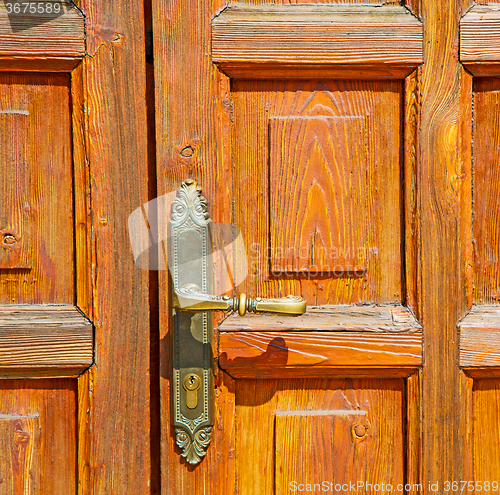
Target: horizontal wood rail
480	341
480	39
303	41
51	39
336	340
44	340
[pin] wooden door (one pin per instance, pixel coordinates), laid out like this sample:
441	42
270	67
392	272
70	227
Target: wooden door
75	313
338	138
354	147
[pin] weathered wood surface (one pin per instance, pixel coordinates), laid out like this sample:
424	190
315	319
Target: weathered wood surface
116	145
246	354
40	338
55	343
396	319
316	36
486	194
317	181
480	337
485	445
444	185
282	407
36	225
378	103
193	119
411	157
40	35
480	39
38	436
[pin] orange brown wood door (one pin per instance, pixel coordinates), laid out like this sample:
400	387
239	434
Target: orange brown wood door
337	140
74	307
352	148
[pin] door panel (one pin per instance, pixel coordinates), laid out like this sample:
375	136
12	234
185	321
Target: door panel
36	225
38	434
480	328
315	430
316	191
74	165
302	151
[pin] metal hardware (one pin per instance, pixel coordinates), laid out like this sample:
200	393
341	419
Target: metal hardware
190	268
190	298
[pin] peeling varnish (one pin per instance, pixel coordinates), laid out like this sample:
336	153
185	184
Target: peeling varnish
14	112
333	412
19	416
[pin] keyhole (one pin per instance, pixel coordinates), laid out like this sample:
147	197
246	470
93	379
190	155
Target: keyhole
192	383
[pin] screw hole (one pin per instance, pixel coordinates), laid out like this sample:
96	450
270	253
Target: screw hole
187	152
360	430
9	240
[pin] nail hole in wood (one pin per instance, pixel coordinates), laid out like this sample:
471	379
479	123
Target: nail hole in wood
187	152
9	240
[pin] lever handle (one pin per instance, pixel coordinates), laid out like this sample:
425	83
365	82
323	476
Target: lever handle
190	298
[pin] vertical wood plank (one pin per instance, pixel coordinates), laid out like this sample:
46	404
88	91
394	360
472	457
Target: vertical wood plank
82	200
411	156
413	432
193	114
443	181
116	119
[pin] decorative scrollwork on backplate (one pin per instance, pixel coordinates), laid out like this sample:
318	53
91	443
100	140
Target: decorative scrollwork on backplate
189	200
193	446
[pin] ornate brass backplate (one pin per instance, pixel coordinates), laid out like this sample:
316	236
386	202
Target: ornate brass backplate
192	377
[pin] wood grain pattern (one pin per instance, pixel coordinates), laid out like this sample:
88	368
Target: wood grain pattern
486	444
444	179
413	404
479	40
411	157
486	191
36	226
42	338
251	354
193	119
317	192
22	432
395	319
259	402
379	103
304	439
40	35
480	337
116	151
377	3
316	36
38	437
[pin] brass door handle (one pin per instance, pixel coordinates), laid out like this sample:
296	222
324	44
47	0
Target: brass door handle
190	265
190	298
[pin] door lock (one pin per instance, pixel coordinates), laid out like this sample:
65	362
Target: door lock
191	383
192	336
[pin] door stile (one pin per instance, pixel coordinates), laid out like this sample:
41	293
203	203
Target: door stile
444	180
116	392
